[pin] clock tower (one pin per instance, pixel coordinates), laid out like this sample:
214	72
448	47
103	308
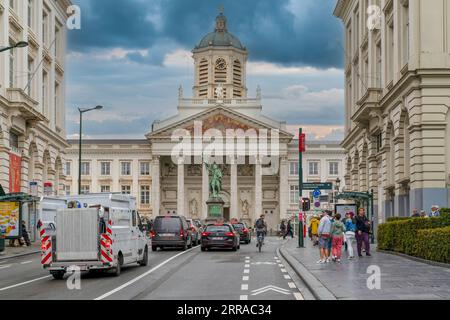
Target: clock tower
220	60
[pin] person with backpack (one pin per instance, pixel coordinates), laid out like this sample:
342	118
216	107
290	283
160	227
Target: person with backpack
289	230
261	228
337	237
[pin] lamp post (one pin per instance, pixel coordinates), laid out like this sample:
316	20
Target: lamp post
79	142
20	44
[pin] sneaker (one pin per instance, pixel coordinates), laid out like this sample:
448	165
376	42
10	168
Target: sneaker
328	260
360	255
350	258
338	260
320	261
368	254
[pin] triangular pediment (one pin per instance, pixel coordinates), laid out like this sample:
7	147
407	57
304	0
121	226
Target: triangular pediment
220	118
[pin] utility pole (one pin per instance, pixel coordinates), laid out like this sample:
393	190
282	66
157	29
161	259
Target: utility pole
301	149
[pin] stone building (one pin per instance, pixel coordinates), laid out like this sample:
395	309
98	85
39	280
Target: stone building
397	75
32	94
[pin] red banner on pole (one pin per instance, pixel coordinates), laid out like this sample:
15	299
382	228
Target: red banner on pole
15	168
302	142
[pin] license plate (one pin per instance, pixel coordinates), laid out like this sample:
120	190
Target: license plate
166	234
217	238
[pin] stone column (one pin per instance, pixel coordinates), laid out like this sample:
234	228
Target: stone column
205	192
283	189
234	191
258	189
180	189
156	197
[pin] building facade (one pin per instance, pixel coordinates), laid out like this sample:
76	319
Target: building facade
111	166
32	94
397	73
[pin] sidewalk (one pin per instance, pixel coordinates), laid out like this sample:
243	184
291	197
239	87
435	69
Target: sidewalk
13	252
401	278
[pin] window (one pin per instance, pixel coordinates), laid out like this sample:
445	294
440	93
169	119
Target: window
334	168
67	169
44	93
294	195
85	168
379	63
125	168
30	13
105	168
105	189
45	28
145	194
379	141
390	52
293	168
145	168
14	142
56	102
66	190
126	189
30	76
85	189
405	32
314	168
57	41
12	62
12	4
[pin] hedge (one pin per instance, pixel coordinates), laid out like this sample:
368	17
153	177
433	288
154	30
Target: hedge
433	244
392	219
401	235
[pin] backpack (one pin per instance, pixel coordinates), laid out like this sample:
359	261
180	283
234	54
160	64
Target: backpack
260	224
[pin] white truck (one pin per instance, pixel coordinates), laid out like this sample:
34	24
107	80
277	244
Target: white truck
94	232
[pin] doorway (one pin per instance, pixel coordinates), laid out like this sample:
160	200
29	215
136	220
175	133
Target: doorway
226	214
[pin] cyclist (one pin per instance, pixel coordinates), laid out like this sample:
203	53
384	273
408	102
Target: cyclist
261	228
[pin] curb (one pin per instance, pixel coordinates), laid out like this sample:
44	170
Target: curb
319	291
19	255
433	263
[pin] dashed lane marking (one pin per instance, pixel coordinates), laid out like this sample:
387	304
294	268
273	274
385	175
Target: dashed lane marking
298	296
291	285
24	283
246	271
243	297
244	287
5	266
284	270
287	277
247	266
245	278
26	262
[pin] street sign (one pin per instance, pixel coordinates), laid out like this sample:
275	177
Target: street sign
317	185
317	193
317	204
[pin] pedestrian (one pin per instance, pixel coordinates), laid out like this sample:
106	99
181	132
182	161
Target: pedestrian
363	229
435	211
25	236
289	230
324	238
330	243
283	228
415	214
314	227
350	228
337	237
423	214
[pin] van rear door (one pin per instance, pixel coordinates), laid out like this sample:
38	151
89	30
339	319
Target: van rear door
167	228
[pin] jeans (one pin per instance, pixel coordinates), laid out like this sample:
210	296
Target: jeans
337	247
349	239
360	238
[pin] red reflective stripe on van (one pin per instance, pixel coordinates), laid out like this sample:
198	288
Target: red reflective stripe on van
45	259
108	258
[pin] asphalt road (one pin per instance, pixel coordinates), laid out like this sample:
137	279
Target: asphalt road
170	274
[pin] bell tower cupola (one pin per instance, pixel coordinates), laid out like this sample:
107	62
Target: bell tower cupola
220	61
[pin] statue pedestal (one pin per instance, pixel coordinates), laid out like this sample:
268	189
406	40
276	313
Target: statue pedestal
215	209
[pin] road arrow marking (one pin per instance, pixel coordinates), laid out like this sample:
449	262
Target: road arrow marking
270	288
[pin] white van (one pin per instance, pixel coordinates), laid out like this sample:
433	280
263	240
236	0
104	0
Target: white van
95	232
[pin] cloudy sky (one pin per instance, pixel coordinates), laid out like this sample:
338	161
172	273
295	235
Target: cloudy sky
131	56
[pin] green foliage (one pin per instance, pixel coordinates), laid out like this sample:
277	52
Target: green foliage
433	244
401	235
392	219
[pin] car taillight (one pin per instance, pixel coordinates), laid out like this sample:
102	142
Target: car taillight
245	230
181	234
206	234
229	234
192	229
152	234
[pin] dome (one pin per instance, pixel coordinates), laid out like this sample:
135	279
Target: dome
220	37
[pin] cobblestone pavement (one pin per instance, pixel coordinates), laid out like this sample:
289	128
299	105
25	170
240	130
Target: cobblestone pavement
401	278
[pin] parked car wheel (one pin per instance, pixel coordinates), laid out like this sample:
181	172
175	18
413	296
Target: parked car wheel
144	261
203	248
154	248
118	269
58	275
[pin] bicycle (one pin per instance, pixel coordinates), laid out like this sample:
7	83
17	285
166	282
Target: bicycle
260	239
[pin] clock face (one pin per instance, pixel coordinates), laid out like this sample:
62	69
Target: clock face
221	64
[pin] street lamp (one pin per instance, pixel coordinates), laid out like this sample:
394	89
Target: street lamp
20	44
79	144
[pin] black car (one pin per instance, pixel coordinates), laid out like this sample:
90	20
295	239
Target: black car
220	235
171	231
244	232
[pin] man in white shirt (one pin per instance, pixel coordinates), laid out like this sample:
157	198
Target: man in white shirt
324	238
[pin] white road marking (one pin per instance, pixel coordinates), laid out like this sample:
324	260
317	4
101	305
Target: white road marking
263	263
280	265
298	296
245	278
246	271
284	270
142	275
247	266
24	283
244	287
291	285
243	297
247	261
26	262
270	288
4	267
247	258
287	277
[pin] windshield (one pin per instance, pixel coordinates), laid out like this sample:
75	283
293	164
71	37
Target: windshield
223	228
167	224
239	226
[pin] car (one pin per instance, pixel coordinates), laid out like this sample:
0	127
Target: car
171	231
196	233
220	235
244	232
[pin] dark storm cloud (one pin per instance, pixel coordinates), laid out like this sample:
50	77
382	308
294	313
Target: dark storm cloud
297	32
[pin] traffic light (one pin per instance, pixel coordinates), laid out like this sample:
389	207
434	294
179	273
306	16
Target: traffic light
306	204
